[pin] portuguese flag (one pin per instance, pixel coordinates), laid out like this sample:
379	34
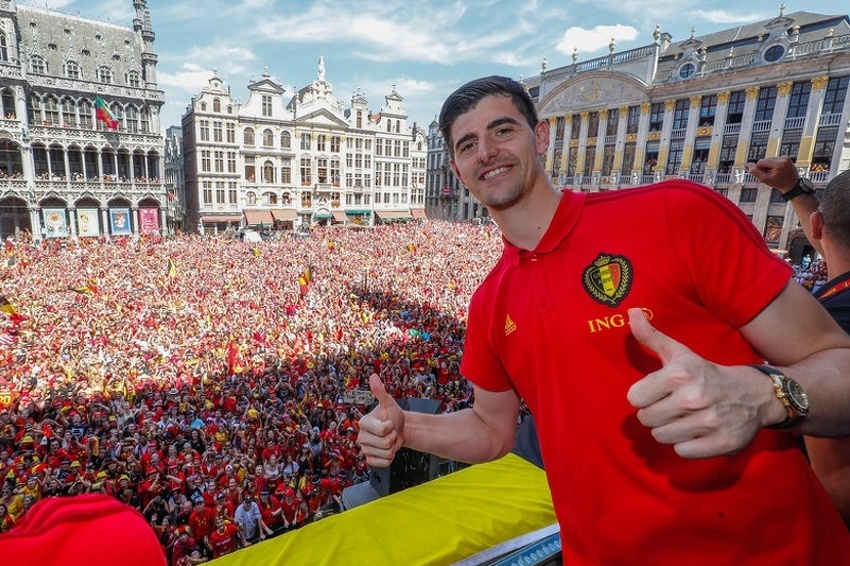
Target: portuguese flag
104	115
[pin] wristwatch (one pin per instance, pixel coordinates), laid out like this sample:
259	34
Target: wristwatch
790	394
804	186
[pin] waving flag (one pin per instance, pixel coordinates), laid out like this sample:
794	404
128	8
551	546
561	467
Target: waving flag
7	307
104	115
172	268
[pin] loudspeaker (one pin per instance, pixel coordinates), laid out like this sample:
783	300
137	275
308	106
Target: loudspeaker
409	467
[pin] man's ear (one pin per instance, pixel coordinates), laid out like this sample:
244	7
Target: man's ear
816	219
454	168
541	135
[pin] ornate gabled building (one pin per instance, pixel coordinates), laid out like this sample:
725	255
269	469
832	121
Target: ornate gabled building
702	108
288	160
81	152
698	109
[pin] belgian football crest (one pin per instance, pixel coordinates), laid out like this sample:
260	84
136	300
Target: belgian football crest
608	279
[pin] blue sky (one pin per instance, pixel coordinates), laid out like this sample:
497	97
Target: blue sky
425	48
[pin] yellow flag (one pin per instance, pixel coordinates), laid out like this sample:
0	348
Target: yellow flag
172	268
7	307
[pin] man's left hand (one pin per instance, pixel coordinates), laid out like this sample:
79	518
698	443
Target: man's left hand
702	408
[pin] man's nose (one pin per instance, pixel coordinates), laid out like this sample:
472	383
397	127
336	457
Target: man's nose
486	150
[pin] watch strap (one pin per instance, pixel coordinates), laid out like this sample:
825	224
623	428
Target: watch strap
799	189
777	379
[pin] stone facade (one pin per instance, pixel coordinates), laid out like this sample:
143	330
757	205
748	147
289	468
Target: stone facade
64	172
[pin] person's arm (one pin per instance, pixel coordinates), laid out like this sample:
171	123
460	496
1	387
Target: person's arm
479	434
781	174
707	410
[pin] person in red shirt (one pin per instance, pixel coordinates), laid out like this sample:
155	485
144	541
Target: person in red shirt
201	521
270	509
635	325
225	537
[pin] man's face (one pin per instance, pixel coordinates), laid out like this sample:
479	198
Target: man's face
496	152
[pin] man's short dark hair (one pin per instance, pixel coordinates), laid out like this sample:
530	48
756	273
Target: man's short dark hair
835	209
467	97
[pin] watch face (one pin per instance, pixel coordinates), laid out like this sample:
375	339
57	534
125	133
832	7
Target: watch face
796	395
807	185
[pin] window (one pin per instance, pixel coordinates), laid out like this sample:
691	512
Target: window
321	142
306	167
69	115
268	138
593	124
286	174
205	160
84	110
656	117
285	140
231	162
680	114
306	142
613	122
267	105
4	52
231	133
248	137
790	144
104	75
758	146
250	175
559	128
268	172
335	171
707	110
217	133
735	110
335	144
322	170
37	65
204	130
219	161
132	120
51	111
629	150
749	195
575	130
133	79
798	102
774	53
836	93
216	105
72	70
765	104
687	70
674	159
633	120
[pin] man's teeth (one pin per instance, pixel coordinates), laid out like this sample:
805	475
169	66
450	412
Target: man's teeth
495	172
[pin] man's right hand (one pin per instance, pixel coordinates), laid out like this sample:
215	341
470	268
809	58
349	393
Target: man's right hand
382	429
777	172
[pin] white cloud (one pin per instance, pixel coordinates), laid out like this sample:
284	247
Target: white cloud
726	17
595	39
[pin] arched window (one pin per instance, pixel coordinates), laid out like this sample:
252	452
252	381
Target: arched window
72	70
4	52
51	111
268	138
248	137
38	65
132	121
285	140
216	105
104	75
268	172
134	79
69	112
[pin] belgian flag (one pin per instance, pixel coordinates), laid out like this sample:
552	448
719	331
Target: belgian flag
172	268
256	252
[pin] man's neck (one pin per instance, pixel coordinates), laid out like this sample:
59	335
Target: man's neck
837	258
525	223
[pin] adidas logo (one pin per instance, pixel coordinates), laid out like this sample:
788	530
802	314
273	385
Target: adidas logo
510	325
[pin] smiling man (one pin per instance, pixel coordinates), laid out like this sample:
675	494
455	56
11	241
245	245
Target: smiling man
636	325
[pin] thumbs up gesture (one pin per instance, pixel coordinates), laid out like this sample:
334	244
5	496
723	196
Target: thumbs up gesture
703	409
382	429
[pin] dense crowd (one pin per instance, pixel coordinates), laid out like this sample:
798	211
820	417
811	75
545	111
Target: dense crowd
216	385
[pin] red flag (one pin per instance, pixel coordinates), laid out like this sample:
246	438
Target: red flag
104	115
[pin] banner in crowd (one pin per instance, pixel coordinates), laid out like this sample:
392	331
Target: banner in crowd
55	223
119	221
87	223
149	220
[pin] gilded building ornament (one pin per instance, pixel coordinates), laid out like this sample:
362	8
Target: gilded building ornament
630	138
653	136
704	131
723	97
644	107
669	105
695	100
819	83
784	89
753	92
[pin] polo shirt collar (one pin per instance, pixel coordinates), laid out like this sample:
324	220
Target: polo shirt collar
568	212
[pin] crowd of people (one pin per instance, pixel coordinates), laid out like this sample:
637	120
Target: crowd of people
217	385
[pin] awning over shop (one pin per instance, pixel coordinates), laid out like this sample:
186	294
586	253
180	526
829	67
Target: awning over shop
284	214
358	212
258	217
340	216
393	215
419	213
221	219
